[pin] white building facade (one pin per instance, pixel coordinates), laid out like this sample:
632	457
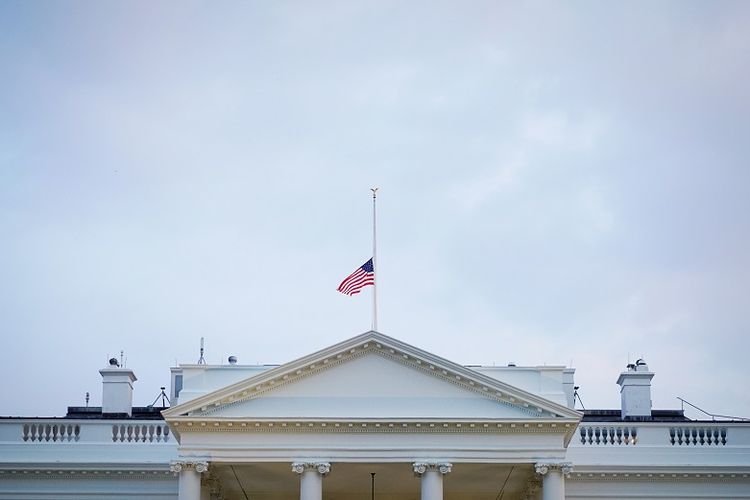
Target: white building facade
373	417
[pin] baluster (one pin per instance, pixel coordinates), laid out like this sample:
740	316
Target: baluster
619	435
634	433
130	433
144	433
716	436
671	435
25	434
723	436
77	430
151	433
597	433
47	432
166	433
702	435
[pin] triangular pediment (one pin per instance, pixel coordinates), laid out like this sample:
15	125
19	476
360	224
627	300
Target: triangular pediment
372	376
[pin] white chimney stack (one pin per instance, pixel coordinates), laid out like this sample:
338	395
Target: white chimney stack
635	390
117	389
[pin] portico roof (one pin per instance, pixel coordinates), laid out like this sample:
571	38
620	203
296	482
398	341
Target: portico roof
317	390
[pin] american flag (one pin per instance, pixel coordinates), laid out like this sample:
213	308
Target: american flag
355	282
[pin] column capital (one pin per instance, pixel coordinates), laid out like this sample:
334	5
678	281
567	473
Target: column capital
565	468
179	465
422	467
322	468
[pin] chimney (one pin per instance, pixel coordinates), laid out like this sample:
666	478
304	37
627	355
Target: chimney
635	390
117	389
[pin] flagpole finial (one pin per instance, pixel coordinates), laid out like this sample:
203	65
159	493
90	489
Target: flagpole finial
374	191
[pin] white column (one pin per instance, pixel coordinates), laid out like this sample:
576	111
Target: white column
553	479
311	479
189	484
432	478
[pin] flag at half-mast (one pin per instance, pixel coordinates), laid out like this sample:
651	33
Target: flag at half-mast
355	282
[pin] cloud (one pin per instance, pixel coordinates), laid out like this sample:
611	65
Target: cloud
557	130
597	216
473	193
573	181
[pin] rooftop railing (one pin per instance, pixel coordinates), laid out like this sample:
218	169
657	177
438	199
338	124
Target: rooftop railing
669	434
67	431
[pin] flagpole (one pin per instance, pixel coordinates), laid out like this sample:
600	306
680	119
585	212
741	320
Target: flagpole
374	262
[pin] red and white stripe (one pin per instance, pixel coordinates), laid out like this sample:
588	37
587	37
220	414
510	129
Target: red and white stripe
355	282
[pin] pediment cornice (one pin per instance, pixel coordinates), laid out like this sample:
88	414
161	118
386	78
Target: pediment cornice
453	426
378	344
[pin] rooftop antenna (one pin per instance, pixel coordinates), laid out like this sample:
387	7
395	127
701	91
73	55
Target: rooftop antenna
201	360
122	361
87	399
713	416
164	398
577	396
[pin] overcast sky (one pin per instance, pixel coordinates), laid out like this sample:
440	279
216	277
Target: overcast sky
559	183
